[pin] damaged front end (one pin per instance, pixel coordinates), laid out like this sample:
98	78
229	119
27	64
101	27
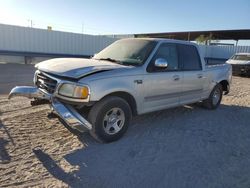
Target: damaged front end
46	91
29	92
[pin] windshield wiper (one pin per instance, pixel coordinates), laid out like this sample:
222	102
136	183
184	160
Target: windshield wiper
109	59
116	61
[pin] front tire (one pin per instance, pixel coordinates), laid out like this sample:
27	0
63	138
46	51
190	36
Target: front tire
214	99
110	119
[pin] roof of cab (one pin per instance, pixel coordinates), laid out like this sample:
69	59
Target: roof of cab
164	40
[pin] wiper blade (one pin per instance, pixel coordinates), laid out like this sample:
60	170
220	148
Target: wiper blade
116	61
109	59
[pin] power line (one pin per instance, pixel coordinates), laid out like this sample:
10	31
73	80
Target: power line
83	28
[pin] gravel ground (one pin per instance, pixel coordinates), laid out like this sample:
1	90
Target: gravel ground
181	147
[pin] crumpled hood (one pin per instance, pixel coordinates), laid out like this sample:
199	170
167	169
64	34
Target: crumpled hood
76	67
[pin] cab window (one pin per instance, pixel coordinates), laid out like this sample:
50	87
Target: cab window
167	52
189	57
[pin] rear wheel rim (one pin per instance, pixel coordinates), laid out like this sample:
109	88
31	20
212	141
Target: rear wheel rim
113	121
216	96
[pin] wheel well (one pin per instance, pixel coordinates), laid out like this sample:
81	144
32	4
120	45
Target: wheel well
127	97
224	84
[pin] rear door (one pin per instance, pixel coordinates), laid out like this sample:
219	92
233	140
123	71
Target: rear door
162	86
193	75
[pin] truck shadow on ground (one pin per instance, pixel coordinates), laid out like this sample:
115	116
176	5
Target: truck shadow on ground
4	155
169	148
55	170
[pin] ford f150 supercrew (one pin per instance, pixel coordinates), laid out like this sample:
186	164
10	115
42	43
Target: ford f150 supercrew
129	77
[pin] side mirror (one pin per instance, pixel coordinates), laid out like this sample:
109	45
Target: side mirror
161	63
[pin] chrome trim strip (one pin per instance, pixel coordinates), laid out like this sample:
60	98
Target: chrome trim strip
160	97
70	116
172	95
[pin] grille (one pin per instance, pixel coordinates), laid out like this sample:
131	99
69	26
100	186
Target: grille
45	83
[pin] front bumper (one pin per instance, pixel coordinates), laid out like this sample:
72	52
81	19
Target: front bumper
70	116
66	112
29	92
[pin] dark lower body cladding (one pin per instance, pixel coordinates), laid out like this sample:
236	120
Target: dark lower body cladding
66	112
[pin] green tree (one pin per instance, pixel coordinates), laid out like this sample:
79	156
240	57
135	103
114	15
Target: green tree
203	39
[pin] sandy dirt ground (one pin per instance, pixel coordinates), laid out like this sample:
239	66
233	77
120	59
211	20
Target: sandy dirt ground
181	147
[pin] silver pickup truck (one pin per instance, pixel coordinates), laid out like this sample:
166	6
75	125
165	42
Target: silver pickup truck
129	77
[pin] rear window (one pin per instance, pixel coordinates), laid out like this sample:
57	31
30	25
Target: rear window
241	57
189	57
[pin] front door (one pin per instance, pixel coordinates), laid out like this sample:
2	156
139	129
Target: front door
162	86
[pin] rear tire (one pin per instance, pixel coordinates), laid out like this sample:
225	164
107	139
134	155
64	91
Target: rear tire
214	99
110	119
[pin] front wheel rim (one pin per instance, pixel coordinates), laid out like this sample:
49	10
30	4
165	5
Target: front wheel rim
216	96
113	121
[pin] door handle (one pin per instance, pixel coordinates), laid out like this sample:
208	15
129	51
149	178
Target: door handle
138	81
176	77
199	76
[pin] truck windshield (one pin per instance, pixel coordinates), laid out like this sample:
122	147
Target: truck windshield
242	57
127	52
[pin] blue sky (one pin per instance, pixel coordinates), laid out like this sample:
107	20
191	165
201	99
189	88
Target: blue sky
129	16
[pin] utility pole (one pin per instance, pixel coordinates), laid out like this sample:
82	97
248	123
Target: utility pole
237	42
31	22
82	27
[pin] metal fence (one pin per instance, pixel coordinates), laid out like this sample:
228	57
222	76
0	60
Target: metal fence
222	52
24	39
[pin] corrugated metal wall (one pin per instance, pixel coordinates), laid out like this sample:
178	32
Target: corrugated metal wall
222	52
24	39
